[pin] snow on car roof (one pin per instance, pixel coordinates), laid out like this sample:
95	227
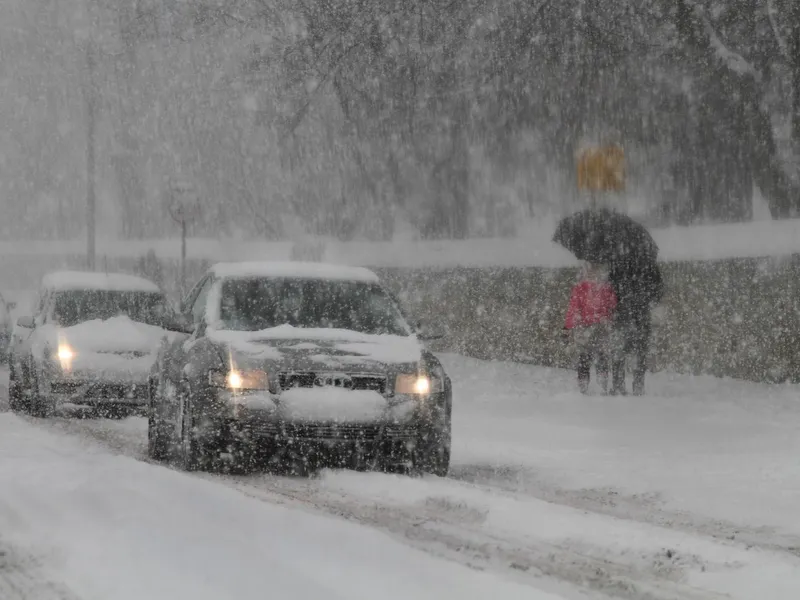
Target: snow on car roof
88	280
299	270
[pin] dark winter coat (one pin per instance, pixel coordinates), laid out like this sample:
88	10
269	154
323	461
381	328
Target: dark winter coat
639	286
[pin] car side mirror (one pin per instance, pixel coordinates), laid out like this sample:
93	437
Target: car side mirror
26	322
179	323
427	332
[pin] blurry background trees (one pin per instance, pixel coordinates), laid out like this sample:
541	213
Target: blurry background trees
363	119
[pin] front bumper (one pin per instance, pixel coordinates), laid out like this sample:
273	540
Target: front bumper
98	392
331	433
261	418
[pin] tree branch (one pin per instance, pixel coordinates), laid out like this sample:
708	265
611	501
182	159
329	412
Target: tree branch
779	39
733	61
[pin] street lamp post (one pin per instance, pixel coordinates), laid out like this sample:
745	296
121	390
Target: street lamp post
91	126
184	207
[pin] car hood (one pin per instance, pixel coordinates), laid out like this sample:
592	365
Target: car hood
302	349
118	335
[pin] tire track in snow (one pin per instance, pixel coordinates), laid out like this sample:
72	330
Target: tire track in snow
642	508
454	531
23	576
449	530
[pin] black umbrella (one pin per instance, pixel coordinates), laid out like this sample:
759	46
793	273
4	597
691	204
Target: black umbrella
606	236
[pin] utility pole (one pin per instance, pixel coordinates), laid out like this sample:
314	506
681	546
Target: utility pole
91	126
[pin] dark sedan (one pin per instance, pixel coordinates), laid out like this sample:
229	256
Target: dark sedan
278	357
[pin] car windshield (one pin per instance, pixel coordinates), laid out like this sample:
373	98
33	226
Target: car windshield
255	304
77	306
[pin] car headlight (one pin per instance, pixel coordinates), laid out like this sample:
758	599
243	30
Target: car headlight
65	355
418	384
238	381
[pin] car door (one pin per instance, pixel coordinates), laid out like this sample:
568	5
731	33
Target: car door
23	337
194	308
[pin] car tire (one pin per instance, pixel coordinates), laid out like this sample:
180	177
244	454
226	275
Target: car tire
157	440
40	405
17	401
191	453
432	454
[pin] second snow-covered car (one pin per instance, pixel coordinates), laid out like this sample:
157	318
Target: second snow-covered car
91	342
279	356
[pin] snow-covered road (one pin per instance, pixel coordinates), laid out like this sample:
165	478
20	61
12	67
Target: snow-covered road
688	493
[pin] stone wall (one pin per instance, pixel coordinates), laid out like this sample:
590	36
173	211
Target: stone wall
738	317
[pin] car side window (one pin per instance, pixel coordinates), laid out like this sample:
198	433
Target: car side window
198	308
188	299
40	303
41	307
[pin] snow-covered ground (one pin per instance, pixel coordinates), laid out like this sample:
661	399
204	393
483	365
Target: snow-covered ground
687	493
78	522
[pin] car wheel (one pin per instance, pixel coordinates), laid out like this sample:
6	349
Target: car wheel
191	455
157	440
17	401
40	405
432	454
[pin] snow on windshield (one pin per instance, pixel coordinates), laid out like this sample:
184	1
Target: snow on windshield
77	306
253	304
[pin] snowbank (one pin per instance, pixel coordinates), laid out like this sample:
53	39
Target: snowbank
535	248
111	528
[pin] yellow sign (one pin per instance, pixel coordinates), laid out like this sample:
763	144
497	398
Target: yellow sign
601	169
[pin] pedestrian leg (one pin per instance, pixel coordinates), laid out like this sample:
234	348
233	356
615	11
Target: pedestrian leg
602	370
584	370
641	345
618	351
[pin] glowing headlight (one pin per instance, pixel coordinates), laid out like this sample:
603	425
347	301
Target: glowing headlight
238	381
417	385
235	380
65	353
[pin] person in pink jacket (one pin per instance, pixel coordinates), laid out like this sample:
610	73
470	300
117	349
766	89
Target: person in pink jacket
589	318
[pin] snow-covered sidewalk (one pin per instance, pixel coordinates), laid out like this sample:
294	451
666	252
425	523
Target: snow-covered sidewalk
715	449
78	522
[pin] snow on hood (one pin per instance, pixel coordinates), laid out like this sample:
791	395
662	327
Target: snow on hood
343	344
332	405
117	334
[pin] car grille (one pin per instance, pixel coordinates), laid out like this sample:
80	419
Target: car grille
334	432
116	391
375	383
65	387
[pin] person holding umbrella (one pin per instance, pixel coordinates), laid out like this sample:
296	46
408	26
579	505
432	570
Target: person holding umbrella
627	248
639	287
